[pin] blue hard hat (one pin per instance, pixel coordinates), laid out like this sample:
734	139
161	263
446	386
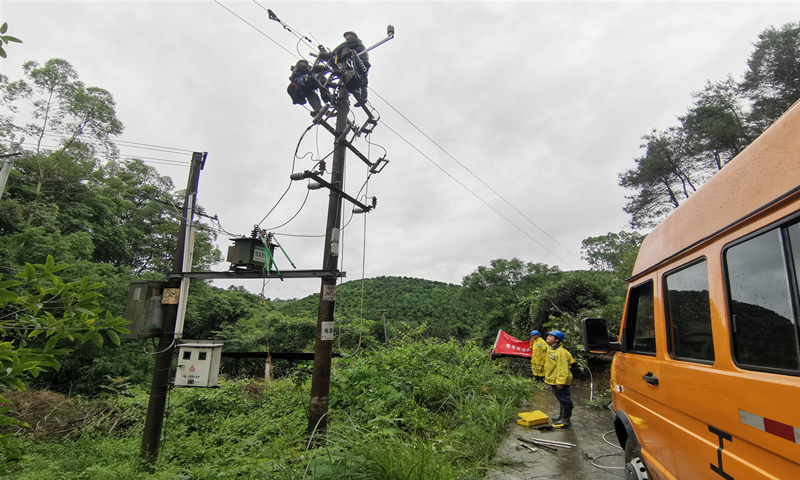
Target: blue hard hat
535	332
557	334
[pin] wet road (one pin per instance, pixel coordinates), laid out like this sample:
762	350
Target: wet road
586	432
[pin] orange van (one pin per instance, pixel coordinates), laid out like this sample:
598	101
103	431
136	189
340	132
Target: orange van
706	375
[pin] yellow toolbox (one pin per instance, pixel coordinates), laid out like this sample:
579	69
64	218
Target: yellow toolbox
530	419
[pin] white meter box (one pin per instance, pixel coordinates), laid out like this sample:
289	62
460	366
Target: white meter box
198	363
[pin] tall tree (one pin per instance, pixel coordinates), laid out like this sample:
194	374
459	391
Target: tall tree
715	126
772	80
723	120
496	290
662	178
81	119
614	252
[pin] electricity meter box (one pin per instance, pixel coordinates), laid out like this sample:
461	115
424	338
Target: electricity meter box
249	252
144	309
198	363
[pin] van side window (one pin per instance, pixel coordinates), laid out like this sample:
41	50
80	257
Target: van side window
688	312
640	334
762	316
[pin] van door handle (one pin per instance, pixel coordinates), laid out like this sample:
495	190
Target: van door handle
649	378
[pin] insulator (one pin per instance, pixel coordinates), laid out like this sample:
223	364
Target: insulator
322	165
314	186
298	176
374	202
361	66
359	210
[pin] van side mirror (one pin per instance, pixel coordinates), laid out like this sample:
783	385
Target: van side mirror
595	337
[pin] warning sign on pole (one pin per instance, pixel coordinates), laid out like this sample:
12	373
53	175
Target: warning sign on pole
329	293
327	331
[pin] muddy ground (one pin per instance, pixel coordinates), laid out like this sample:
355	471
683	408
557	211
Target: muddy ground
589	425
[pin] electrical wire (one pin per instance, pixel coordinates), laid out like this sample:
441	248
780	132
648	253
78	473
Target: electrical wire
473	174
287	27
293	216
153	160
294	160
474	194
256	29
131	144
608	454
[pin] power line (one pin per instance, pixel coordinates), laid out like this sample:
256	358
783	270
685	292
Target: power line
257	30
471	173
155	160
132	144
474	194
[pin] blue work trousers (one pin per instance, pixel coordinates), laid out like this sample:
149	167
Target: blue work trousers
563	396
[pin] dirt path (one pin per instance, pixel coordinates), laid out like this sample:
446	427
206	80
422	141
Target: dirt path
588	427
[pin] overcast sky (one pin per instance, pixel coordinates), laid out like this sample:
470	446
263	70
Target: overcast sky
544	102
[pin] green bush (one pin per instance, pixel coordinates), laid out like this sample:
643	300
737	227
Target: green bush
422	409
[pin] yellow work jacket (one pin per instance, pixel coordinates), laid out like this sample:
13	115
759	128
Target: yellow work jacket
539	350
556	367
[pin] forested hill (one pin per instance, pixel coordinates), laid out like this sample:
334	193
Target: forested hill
410	300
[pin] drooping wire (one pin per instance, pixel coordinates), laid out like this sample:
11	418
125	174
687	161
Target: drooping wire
471	173
293	216
294	160
474	194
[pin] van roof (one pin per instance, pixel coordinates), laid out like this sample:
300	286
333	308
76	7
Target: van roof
767	170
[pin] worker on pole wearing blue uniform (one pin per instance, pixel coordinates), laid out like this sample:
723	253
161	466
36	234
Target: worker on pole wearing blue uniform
557	374
303	86
356	85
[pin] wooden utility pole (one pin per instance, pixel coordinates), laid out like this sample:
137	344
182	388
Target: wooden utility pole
323	348
154	421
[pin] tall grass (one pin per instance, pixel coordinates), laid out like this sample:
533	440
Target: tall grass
420	410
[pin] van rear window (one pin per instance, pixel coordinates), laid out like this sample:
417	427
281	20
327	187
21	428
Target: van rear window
762	284
689	313
640	336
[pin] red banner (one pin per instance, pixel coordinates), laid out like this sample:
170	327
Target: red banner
508	345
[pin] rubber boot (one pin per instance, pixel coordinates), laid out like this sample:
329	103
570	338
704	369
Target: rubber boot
565	420
560	414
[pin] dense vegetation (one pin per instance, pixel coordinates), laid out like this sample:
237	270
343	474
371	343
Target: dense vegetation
421	410
408	302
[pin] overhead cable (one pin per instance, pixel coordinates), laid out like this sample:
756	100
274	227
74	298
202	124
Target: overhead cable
290	181
256	29
471	173
474	194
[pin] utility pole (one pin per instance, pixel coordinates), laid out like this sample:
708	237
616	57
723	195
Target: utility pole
7	162
323	348
385	332
166	346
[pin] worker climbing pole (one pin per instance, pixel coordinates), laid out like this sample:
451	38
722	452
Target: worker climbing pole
336	74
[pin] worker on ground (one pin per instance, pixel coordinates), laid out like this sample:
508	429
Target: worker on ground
539	350
557	374
304	86
356	84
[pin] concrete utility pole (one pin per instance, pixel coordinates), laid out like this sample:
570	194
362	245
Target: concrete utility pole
323	348
7	162
154	421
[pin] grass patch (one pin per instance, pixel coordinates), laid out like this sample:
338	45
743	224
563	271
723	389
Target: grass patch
420	410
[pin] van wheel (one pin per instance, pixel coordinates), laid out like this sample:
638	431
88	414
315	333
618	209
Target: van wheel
634	466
